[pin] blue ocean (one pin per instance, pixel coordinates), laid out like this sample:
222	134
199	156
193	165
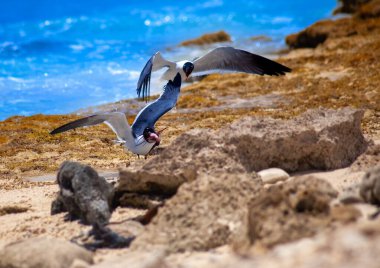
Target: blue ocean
59	56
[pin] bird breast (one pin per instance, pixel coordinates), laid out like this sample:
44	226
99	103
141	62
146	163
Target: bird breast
172	72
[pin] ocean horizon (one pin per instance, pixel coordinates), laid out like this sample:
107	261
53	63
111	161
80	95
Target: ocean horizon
58	57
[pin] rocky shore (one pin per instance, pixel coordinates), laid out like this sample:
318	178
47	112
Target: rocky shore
208	196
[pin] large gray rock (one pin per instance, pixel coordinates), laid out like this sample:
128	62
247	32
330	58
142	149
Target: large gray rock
204	214
319	139
84	194
42	253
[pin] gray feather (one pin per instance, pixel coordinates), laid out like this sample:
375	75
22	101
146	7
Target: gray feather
229	59
148	116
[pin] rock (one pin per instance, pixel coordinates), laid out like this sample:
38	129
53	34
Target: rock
320	31
206	39
319	139
83	194
295	209
42	253
135	259
79	264
350	6
369	10
351	194
369	159
310	37
273	175
191	153
370	186
204	214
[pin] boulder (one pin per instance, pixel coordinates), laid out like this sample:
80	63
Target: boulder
298	208
84	194
193	152
295	209
42	253
204	214
319	139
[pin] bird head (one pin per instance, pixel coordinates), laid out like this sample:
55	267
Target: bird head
188	68
151	136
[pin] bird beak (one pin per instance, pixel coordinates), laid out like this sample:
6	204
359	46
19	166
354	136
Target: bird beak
154	138
160	131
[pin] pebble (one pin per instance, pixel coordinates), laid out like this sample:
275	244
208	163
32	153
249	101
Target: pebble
273	175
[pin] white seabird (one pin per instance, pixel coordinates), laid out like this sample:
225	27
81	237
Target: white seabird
218	60
140	138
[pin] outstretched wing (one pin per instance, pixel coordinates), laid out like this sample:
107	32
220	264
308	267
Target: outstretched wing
155	63
116	121
148	116
229	59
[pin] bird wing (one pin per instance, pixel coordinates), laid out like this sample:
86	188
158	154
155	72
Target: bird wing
148	116
229	59
116	121
156	62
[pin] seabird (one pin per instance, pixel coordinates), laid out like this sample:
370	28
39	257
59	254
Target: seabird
218	60
140	138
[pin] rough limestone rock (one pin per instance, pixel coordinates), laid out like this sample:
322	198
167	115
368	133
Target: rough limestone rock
370	186
42	253
318	139
347	247
83	194
193	152
204	214
295	209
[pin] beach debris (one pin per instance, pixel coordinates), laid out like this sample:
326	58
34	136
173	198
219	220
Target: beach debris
370	186
12	209
318	139
273	175
43	253
204	214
